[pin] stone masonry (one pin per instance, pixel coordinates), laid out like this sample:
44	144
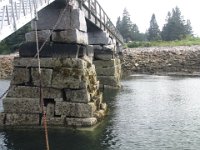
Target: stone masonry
108	66
70	88
106	60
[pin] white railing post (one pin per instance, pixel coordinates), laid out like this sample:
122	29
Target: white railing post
16	13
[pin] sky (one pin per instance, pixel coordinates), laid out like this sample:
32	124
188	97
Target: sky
142	10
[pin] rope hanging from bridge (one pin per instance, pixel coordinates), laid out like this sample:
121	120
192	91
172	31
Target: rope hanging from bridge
40	49
42	104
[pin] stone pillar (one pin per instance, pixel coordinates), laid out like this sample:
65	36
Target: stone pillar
70	88
106	59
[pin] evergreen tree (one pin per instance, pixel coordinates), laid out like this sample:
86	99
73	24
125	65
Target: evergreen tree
134	32
12	42
126	26
129	30
188	28
118	24
153	31
175	28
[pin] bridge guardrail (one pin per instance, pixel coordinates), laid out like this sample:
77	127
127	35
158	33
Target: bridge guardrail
96	14
16	13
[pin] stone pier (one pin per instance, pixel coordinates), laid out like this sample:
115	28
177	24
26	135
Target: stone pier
106	59
70	88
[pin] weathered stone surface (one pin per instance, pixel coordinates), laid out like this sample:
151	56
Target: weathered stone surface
80	122
99	38
61	50
68	78
50	110
81	96
97	47
33	92
100	114
105	64
51	93
46	77
23	92
20	76
111	47
51	62
56	121
79	110
21	105
68	50
22	119
70	36
90	51
103	55
42	36
2	118
97	99
103	106
71	19
109	80
29	50
110	71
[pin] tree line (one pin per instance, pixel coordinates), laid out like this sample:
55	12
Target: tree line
11	43
175	28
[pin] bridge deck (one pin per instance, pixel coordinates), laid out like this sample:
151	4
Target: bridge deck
16	13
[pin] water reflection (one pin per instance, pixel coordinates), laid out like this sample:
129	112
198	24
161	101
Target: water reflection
148	113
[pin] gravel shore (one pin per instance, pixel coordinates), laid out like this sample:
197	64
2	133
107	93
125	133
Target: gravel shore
6	66
181	60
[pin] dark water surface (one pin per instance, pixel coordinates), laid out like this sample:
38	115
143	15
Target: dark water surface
148	113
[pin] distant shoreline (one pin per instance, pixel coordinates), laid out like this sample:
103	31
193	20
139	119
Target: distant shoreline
178	60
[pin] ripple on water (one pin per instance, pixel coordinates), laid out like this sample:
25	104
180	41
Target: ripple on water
148	113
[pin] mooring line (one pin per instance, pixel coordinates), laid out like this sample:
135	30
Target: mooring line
42	105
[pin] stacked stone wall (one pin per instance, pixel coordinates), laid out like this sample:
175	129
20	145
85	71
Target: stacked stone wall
108	66
69	88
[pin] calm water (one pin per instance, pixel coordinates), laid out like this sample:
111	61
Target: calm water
148	113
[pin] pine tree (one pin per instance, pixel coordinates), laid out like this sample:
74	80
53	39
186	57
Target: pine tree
188	28
153	31
134	32
129	30
176	28
118	24
126	26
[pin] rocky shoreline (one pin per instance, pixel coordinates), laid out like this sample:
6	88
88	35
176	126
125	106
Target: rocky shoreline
6	65
181	60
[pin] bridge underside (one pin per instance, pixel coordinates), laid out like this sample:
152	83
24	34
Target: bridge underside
77	59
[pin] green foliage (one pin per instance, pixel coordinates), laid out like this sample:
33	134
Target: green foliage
11	43
4	49
135	44
153	33
188	41
128	30
175	27
126	26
